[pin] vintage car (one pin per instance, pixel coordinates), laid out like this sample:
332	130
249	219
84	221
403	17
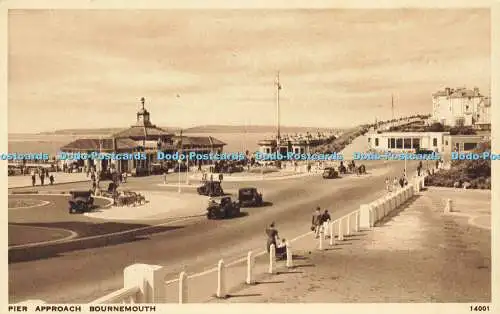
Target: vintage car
210	188
139	172
179	168
249	197
330	173
222	207
80	201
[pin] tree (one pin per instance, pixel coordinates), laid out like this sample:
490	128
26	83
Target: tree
436	127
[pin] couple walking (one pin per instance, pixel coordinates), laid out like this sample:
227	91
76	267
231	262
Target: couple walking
318	219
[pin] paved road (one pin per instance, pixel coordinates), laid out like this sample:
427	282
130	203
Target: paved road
195	245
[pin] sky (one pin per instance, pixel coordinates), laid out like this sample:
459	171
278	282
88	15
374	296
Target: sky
338	67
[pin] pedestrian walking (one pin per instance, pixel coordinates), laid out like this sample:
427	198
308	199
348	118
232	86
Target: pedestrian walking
221	177
164	177
42	178
33	179
401	182
388	184
316	222
395	184
272	236
51	179
325	219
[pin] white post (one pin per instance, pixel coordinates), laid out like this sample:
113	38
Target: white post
321	237
341	230
423	181
149	279
356	221
449	206
221	280
332	236
348	225
272	259
183	288
289	255
250	263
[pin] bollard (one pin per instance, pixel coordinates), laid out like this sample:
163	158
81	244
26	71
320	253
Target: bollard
250	263
221	280
289	255
332	236
272	259
417	185
347	223
356	221
449	206
321	237
365	216
325	228
341	230
183	288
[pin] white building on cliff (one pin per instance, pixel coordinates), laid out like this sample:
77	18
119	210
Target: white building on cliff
461	107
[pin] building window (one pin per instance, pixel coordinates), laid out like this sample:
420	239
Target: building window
389	143
469	146
376	141
407	143
446	142
435	142
369	139
416	143
393	143
399	143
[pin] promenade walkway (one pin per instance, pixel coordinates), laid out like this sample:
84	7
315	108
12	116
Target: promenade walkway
418	255
59	178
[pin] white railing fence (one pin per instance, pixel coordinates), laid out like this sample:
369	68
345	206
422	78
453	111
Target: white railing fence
146	283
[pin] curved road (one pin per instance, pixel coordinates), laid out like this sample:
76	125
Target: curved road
196	245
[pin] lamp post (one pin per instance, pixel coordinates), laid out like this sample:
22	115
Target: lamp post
179	161
179	171
187	170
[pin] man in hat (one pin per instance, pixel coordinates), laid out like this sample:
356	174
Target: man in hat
272	236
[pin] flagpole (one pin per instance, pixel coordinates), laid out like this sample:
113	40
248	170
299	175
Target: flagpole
278	87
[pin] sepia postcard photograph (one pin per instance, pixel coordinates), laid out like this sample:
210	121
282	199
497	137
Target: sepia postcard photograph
215	156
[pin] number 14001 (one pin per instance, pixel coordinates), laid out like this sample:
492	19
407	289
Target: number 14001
479	308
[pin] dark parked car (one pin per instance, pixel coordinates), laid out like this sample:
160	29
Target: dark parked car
210	188
139	172
222	207
179	168
330	173
80	201
249	197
